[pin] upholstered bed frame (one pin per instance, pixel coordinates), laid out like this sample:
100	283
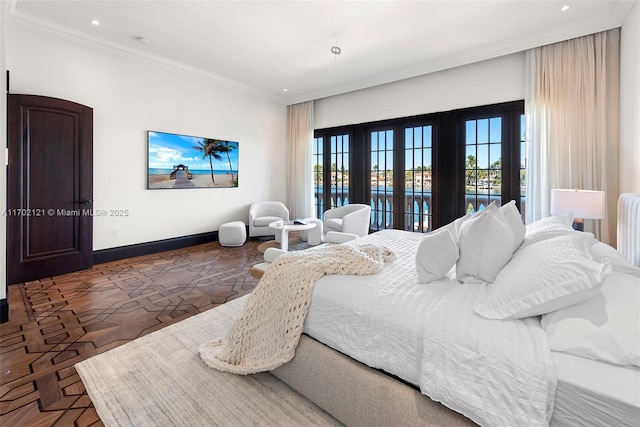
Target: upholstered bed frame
358	395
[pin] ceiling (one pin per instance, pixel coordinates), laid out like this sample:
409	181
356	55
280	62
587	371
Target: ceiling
264	47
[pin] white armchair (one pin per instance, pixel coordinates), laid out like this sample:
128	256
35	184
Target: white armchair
261	214
353	219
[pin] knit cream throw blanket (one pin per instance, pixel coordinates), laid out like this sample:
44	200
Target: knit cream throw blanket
266	334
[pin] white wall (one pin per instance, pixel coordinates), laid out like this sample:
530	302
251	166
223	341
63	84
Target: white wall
128	98
630	102
487	82
497	80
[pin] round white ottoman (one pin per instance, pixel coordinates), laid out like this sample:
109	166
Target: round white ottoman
232	233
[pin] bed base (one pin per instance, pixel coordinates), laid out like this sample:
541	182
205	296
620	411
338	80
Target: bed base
357	395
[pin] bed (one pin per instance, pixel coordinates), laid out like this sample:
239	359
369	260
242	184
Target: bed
361	358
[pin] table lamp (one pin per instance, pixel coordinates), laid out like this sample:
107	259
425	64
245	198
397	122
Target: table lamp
582	204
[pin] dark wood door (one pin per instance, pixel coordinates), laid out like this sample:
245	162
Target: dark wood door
49	187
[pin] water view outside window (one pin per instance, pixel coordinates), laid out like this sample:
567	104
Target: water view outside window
381	179
483	164
332	177
417	178
409	157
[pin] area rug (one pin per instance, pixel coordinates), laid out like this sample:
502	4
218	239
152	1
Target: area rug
160	380
295	244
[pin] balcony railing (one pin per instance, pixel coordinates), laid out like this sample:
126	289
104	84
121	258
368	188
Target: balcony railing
417	208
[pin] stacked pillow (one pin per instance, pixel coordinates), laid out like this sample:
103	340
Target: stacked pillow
587	293
486	244
479	245
487	241
513	217
454	226
437	253
547	228
544	277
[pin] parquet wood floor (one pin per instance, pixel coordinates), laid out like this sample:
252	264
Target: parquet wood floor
59	321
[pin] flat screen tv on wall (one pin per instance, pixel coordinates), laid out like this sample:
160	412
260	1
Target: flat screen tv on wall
183	161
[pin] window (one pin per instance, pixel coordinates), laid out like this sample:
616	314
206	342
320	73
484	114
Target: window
418	178
381	179
401	177
331	170
339	170
318	175
419	173
483	163
493	146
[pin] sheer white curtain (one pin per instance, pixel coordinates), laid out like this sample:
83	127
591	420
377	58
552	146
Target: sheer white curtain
300	124
572	109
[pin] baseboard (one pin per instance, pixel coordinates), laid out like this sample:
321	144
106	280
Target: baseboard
4	310
139	249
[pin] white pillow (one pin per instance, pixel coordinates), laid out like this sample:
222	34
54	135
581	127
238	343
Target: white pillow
604	327
454	226
437	253
551	223
618	262
545	277
514	219
339	237
548	228
271	254
486	244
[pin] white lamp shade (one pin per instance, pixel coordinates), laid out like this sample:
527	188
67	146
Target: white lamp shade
584	204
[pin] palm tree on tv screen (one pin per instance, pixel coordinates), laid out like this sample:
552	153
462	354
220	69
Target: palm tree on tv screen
225	147
208	148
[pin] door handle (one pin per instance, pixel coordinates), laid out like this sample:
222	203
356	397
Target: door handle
86	201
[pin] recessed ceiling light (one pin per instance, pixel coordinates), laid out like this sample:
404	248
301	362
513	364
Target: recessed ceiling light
95	22
565	8
285	90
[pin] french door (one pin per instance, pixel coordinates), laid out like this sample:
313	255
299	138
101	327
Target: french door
401	178
494	158
421	172
331	171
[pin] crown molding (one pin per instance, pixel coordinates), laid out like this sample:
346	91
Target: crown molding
53	30
621	9
614	19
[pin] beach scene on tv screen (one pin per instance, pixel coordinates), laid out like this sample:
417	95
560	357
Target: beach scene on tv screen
182	161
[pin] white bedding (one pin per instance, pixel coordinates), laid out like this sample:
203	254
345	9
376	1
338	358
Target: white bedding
379	320
383	329
496	372
595	393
